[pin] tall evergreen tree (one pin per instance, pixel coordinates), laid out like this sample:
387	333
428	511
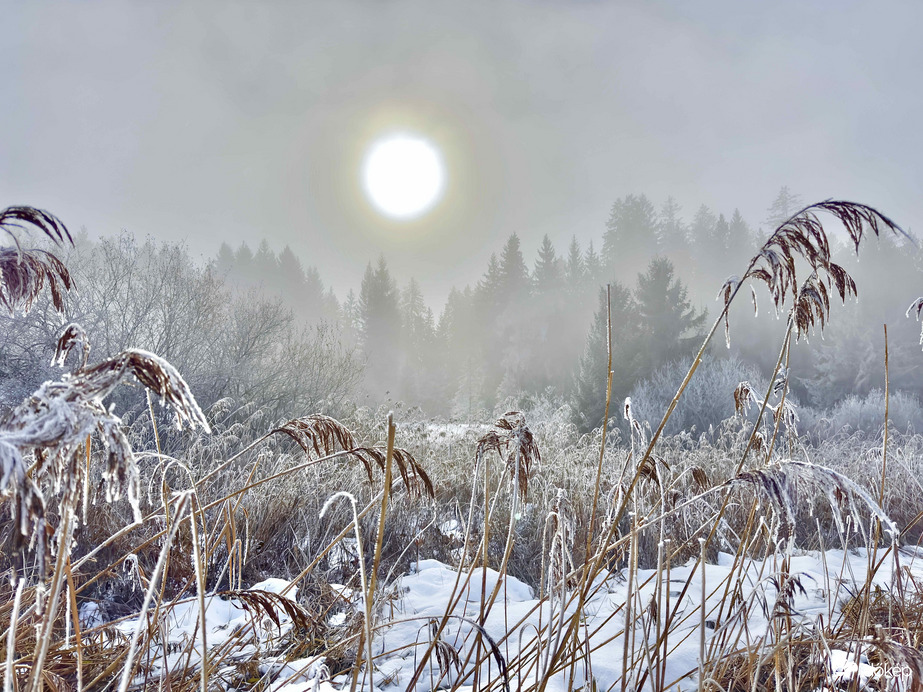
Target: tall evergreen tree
243	265
670	325
743	243
224	262
265	265
594	268
783	206
490	287
380	327
460	335
548	274
418	339
630	239
350	318
671	231
574	269
589	391
514	275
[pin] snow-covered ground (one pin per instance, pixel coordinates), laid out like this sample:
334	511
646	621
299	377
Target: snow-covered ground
819	584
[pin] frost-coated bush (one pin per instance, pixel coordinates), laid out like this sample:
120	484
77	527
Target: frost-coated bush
867	414
708	400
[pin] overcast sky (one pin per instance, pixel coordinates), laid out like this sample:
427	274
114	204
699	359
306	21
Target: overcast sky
207	122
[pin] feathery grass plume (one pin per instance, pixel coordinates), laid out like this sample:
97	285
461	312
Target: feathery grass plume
515	445
53	426
648	470
917	306
415	478
73	338
24	217
803	236
700	477
318	432
744	396
780	484
24	272
561	526
812	305
272	605
446	654
326	435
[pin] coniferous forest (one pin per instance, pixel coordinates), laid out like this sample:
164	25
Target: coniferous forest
531	332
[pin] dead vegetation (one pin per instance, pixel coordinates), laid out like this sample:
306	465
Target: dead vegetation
96	524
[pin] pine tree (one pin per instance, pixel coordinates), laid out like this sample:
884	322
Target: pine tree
548	275
418	337
289	281
461	369
574	269
243	265
514	275
783	207
380	327
589	391
670	326
594	268
350	318
671	232
490	287
265	265
630	239
743	243
224	262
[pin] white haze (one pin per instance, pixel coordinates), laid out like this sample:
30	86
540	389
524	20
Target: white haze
238	121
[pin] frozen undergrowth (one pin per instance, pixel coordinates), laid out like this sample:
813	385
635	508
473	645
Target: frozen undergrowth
814	592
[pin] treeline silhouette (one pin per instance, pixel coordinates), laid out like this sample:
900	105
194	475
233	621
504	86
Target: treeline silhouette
530	330
260	326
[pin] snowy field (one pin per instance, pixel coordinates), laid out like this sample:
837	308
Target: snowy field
812	596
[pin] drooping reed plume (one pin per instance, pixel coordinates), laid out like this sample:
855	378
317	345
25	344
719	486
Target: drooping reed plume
917	307
515	445
25	272
325	435
803	237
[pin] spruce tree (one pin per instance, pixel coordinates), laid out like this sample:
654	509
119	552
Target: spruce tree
547	276
574	269
671	232
671	327
589	392
783	207
380	328
630	239
514	275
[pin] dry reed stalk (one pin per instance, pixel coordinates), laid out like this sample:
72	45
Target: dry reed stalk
8	679
128	665
367	605
602	446
75	614
48	617
376	560
199	570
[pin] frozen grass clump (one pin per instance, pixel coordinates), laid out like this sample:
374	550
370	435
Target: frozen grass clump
705	403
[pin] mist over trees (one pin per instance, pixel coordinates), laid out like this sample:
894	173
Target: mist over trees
262	327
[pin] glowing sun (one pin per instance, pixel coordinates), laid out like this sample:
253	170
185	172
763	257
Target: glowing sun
403	175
